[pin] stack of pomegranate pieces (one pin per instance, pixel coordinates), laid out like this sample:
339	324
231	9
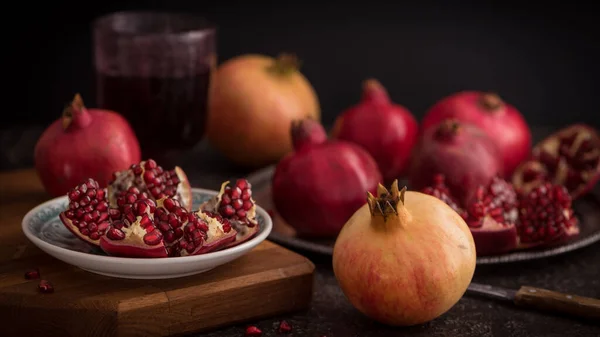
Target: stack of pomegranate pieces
502	219
146	212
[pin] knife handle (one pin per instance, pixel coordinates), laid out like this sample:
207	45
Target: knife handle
543	299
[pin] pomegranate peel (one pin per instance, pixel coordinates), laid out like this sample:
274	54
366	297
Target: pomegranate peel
569	157
404	258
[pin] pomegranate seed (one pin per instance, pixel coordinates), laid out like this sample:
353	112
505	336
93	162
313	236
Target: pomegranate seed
82	188
241	213
114	213
153	238
74	195
248	205
137	170
253	331
226	228
94	236
70	214
45	287
246	194
237	203
91	193
150	164
284	327
235	193
163	226
115	234
226	199
227	210
170	204
32	274
74	205
84	200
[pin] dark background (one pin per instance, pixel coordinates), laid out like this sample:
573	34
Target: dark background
542	58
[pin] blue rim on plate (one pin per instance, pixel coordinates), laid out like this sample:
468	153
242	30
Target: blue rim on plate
587	209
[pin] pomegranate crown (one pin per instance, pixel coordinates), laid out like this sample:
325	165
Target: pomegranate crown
447	128
285	63
373	90
307	131
75	113
386	202
491	101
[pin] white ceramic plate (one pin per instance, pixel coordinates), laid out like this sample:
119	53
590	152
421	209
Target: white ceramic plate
42	226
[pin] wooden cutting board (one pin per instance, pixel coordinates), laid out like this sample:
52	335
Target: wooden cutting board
267	281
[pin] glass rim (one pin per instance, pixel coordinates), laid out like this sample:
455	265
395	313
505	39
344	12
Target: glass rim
107	24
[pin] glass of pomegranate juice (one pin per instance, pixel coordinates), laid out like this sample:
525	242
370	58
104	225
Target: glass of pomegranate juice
154	68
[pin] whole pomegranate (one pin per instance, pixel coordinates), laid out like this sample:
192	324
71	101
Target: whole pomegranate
386	130
501	121
84	143
404	258
318	187
253	99
463	153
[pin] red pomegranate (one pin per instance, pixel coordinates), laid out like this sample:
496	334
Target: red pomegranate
502	220
501	121
319	186
461	152
386	130
253	99
569	157
84	143
404	258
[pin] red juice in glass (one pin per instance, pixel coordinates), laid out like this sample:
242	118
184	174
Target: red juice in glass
155	69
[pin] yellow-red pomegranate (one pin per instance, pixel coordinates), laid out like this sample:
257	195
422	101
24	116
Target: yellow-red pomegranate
253	100
404	258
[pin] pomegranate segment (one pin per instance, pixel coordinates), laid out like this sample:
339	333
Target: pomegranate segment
87	215
234	205
152	179
546	216
570	157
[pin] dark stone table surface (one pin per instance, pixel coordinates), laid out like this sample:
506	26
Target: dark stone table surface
332	315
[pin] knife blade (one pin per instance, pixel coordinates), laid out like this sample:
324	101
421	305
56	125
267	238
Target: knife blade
541	299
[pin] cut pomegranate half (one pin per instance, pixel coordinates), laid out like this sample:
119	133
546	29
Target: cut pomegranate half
569	157
150	178
87	215
234	203
490	214
146	229
546	217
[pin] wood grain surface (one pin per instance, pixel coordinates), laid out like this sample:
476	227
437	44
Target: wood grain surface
267	281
